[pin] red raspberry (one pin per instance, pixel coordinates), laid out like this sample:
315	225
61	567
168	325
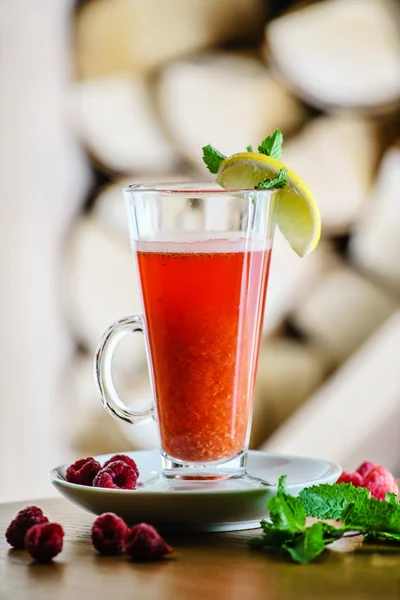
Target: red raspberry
108	533
143	543
126	459
379	481
354	478
25	519
116	475
44	541
365	468
83	471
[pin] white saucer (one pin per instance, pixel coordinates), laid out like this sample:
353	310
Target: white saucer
193	506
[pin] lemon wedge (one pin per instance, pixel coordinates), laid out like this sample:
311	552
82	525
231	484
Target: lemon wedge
298	215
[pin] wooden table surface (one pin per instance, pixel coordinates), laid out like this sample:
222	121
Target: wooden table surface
203	566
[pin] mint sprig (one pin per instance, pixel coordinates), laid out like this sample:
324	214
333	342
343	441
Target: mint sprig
287	533
272	145
274	182
212	158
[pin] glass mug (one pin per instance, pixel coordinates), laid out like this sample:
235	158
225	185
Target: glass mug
202	255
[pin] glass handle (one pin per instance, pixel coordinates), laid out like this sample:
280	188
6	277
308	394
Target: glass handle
103	371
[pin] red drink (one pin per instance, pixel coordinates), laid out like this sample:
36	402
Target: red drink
204	311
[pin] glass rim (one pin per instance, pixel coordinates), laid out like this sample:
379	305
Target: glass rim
198	188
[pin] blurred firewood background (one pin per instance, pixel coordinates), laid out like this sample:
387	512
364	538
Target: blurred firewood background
152	82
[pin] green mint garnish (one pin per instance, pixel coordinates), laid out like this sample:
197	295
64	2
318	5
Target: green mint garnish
274	182
288	534
286	512
272	145
309	545
212	158
373	516
330	501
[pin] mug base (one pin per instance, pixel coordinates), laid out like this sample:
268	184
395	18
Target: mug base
232	468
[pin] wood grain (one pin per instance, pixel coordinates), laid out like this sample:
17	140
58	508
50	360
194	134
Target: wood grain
203	566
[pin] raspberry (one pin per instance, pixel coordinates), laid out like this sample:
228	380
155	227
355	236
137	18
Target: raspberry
25	519
354	478
108	534
117	475
365	468
83	471
143	543
126	459
44	541
379	481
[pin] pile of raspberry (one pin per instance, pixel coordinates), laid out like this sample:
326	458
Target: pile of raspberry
32	531
119	472
377	479
110	535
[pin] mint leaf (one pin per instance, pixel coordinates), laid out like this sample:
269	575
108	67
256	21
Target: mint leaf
373	515
303	548
212	158
308	546
274	182
392	498
327	501
272	145
271	537
249	148
286	511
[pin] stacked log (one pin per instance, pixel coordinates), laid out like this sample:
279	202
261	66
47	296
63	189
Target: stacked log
337	156
355	413
375	245
228	100
116	122
100	288
155	82
132	36
288	372
340	55
95	432
341	313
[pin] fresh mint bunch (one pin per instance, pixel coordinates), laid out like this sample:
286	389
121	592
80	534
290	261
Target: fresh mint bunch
287	532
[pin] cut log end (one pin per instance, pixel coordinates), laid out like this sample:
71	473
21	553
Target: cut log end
340	54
